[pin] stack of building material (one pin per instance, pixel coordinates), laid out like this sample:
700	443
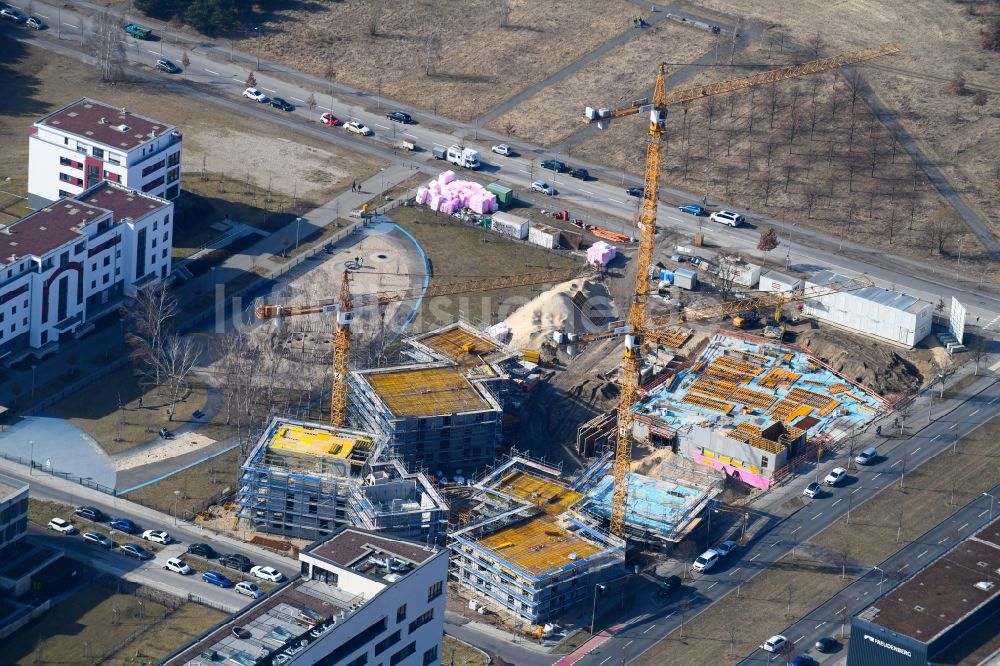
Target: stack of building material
601	253
448	195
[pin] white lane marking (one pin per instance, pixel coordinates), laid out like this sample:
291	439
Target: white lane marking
648	628
974	413
713	585
411	136
755	557
876	476
270	90
43	16
992	401
902	567
775	543
800	527
841	610
855	490
385	127
735	570
895	463
985	511
819	625
300	101
963	527
607	659
838	501
671	615
627	644
153	52
524	171
935	437
953	426
921	554
211	72
798	639
817	516
942	541
916	449
586	191
72	25
616	201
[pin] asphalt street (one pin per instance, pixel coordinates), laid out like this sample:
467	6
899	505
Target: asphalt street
801	249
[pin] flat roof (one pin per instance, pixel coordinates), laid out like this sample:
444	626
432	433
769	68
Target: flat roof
46	229
303	439
425	391
125	203
550	496
892	299
539	545
115	127
460	345
945	592
350	545
9	486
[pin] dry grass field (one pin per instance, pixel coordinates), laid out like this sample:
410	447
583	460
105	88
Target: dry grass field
623	74
808	151
475	64
940	38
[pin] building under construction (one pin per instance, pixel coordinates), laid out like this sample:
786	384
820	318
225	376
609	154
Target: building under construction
523	549
304	480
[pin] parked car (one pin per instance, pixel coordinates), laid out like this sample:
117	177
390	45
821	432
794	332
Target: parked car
61	525
835	477
157	536
668	586
358	128
216	578
236	561
330	119
202	550
724	548
124	525
727	217
554	165
826	644
90	513
12	14
692	209
400	117
774	644
249	589
812	490
866	457
267	573
97	538
502	149
178	565
543	187
580	173
803	660
136	551
705	561
36	23
165	433
255	95
635	191
279	103
167	66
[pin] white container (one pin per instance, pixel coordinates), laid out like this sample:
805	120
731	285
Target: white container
544	235
685	279
779	282
740	273
510	225
558	337
890	315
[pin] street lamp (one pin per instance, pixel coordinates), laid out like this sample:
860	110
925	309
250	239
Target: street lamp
258	47
111	539
298	221
991	504
177	495
881	578
593	611
31	467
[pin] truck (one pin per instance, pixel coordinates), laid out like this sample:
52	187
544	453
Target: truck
463	157
138	31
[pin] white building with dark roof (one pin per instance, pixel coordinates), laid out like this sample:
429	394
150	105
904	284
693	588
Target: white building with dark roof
79	145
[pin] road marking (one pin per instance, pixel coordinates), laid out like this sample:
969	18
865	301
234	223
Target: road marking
153	52
755	557
963	527
876	476
72	25
953	426
992	401
800	527
411	136
985	511
270	90
798	639
300	101
942	541
211	72
587	191
902	567
775	543
895	463
916	449
819	625
935	437
838	501
855	490
841	610
974	413
670	616
380	126
713	585
648	628
607	659
735	570
43	16
627	644
817	515
616	201
524	171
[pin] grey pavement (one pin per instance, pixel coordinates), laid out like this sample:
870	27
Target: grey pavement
58	445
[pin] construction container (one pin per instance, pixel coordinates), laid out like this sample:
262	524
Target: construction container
544	235
739	272
685	279
510	225
505	195
558	337
775	281
885	314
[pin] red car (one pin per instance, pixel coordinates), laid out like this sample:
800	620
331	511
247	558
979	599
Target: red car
330	119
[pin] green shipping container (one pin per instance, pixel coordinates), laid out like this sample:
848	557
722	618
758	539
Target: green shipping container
505	195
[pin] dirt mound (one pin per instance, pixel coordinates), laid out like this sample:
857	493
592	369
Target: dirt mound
865	361
554	310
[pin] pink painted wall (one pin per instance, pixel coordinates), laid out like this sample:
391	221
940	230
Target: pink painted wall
756	480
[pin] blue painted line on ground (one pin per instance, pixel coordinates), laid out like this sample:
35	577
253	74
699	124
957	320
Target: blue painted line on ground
427	281
180	469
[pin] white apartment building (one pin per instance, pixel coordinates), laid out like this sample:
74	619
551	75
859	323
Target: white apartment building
362	599
74	148
63	266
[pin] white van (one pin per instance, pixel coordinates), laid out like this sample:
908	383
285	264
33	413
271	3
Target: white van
866	456
705	561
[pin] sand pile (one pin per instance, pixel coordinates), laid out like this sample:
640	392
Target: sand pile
185	443
558	309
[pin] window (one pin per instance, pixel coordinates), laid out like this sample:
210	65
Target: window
353	644
24	322
106	279
107	261
153	184
421	621
93	284
97	152
434	591
151	168
13	310
173	174
430	656
164	253
386	643
63	194
359	661
154	242
401	613
174	159
166	234
80	247
65	161
403	654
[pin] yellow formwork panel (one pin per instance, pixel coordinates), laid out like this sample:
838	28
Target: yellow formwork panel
538	545
460	346
550	496
314	442
426	392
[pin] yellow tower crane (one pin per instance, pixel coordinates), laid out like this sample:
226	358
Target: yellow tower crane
646	220
343	307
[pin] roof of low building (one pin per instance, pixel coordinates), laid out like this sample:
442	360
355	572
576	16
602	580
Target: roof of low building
124	202
350	545
46	229
115	127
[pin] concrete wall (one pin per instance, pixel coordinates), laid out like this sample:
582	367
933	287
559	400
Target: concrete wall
709	447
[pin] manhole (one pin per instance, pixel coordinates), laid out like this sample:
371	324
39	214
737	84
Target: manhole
381	256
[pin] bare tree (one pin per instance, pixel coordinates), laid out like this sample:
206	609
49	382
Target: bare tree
179	357
979	348
105	44
772	96
375	17
185	60
149	321
311	101
432	46
944	221
768	181
508	129
812	195
503	13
